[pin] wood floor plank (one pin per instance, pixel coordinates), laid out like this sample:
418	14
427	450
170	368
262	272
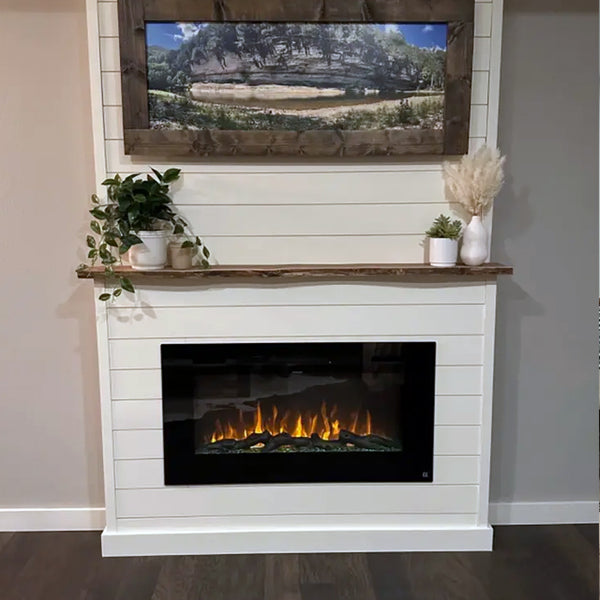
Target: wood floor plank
319	591
5	537
232	577
177	579
57	567
534	560
349	574
138	582
435	576
282	577
14	558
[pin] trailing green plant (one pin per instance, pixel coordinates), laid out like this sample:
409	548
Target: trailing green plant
444	227
134	204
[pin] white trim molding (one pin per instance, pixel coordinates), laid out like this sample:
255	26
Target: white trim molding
265	541
543	513
52	519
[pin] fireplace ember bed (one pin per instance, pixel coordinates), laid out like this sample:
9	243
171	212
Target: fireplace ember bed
298	412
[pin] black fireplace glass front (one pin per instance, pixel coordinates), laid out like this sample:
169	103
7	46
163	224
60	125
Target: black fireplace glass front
298	412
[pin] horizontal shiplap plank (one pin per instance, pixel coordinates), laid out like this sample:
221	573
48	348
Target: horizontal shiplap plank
458	410
147	414
137	414
267	321
402	187
483	19
324	499
236	293
479	91
149	473
457	440
476	143
145	384
481	53
315	249
461	440
294	522
113	125
108	19
145	354
478	126
109	54
111	89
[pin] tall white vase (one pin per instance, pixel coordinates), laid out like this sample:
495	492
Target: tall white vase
474	250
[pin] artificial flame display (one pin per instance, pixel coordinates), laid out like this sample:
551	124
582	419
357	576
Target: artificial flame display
326	423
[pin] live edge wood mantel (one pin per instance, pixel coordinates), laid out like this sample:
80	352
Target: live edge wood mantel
308	271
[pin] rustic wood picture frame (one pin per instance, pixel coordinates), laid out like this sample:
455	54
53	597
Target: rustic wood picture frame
452	140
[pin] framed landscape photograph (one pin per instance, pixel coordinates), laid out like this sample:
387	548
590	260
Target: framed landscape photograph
303	78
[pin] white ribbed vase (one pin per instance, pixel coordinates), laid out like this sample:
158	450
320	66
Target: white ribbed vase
474	249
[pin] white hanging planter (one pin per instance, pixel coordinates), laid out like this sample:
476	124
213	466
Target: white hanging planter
474	250
443	252
152	254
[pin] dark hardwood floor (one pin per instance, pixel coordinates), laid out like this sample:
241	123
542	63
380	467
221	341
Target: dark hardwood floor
529	563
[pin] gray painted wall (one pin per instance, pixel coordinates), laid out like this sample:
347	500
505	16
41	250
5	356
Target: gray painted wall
545	444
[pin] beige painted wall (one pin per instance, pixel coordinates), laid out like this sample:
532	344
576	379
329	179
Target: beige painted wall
49	408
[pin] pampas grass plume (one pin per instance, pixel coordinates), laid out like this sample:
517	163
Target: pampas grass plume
476	180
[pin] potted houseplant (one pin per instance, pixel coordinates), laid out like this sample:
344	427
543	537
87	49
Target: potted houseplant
138	218
474	183
443	241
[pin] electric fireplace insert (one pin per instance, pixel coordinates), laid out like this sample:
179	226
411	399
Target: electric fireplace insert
298	412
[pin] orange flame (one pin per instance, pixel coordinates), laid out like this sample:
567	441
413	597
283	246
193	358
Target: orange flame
326	424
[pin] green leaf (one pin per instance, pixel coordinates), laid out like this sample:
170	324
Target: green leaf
111	241
139	198
117	292
205	264
109	181
157	173
171	175
206	252
95	227
187	244
95	199
91	242
127	285
92	253
124	248
104	297
98	213
198	241
178	229
133	239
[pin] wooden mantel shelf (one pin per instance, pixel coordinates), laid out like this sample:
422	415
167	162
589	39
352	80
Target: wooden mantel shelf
307	271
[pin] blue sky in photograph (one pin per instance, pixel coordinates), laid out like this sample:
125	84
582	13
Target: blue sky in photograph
171	35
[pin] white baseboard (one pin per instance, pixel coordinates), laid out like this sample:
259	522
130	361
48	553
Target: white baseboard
543	513
177	542
501	513
52	519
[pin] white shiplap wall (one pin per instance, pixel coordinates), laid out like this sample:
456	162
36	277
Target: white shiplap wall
252	211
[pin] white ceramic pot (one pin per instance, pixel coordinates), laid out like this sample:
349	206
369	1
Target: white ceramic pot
442	252
474	250
152	254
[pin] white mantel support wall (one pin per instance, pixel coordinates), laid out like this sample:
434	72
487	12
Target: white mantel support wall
260	212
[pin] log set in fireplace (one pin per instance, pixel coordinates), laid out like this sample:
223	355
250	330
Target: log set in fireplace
298	412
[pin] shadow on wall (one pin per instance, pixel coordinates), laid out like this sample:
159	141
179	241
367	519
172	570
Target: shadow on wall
77	308
513	208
